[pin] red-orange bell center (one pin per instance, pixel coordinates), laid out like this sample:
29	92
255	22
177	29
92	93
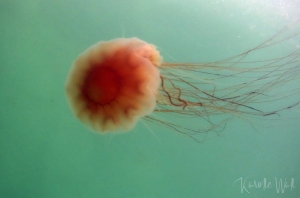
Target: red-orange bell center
101	85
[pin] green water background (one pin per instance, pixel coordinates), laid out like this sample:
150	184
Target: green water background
46	152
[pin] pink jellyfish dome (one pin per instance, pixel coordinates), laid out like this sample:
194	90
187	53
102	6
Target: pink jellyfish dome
112	84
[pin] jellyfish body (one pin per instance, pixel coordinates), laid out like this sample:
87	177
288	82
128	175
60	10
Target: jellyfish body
112	84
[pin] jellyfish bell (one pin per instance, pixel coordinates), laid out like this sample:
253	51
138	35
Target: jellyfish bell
112	84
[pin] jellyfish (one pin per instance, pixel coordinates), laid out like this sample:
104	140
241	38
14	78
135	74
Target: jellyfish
113	84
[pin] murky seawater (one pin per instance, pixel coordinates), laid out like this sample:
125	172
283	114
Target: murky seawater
46	152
